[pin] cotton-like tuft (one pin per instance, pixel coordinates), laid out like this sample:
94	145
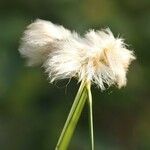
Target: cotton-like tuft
40	38
110	58
98	57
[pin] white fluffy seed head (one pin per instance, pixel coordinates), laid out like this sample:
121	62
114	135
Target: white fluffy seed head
98	57
110	58
40	38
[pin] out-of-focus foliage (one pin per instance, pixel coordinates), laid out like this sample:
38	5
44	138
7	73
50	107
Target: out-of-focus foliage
33	112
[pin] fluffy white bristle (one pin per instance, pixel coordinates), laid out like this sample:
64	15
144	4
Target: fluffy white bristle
98	56
40	39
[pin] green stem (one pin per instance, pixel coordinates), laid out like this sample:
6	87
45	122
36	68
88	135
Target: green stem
73	118
90	114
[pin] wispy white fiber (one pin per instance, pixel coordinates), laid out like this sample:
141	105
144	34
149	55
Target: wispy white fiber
98	56
40	38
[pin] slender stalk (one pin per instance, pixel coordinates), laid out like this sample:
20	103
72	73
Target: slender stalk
90	114
73	118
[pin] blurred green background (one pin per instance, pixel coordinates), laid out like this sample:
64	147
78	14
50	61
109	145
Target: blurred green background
33	112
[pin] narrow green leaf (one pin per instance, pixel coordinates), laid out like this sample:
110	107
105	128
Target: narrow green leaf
90	114
73	118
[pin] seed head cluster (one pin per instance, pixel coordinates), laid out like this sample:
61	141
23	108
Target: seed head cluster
98	57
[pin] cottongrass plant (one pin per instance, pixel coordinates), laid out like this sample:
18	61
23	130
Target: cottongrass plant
97	58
